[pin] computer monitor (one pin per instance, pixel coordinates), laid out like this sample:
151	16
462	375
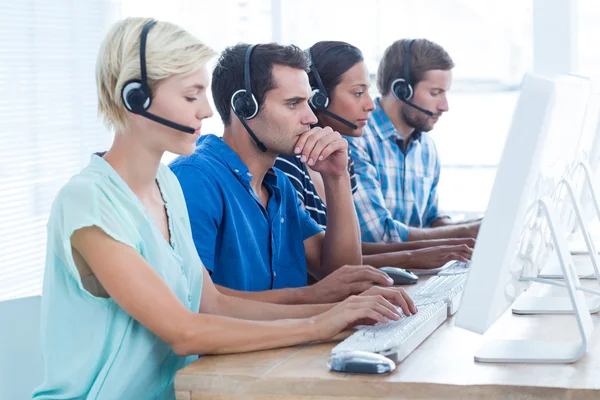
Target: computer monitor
577	190
514	237
563	175
593	155
588	146
566	135
583	171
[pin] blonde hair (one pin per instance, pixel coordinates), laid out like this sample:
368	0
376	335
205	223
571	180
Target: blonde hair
170	50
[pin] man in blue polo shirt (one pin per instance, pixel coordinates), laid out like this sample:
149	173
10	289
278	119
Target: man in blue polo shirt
248	225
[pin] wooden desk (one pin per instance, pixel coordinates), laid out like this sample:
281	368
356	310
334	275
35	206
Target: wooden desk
441	367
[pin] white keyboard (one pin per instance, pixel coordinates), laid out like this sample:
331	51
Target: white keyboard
397	339
436	299
455	267
446	288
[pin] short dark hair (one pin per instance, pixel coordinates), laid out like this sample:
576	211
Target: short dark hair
332	59
228	75
424	56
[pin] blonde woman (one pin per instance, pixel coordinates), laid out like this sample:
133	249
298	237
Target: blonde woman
126	300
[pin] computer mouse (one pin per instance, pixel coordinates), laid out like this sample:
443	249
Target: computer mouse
400	276
360	362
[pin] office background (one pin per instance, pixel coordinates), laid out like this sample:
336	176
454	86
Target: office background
49	127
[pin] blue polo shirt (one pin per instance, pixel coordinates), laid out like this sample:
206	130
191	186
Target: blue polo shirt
244	245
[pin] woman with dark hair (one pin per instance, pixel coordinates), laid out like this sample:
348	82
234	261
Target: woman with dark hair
340	99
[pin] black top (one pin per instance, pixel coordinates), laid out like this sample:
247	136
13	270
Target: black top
298	174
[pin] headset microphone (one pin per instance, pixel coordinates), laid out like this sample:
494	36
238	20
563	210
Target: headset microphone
342	120
319	100
260	144
401	87
243	102
413	105
136	94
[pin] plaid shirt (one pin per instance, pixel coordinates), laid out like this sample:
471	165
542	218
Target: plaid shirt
395	190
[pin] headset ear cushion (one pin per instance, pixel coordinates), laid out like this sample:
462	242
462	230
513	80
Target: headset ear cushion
319	100
408	91
243	105
239	103
134	97
402	90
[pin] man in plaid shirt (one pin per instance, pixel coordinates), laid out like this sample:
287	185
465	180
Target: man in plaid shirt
396	161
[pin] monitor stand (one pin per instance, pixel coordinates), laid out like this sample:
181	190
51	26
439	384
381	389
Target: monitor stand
527	305
538	351
579	246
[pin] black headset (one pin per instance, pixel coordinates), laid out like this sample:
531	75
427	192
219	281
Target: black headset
243	102
402	88
136	94
319	99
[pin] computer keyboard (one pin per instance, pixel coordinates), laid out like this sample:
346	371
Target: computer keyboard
397	339
455	267
437	299
447	288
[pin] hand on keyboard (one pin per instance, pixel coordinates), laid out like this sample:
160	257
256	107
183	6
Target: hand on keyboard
473	228
422	244
441	288
395	295
454	268
396	339
346	281
355	310
435	257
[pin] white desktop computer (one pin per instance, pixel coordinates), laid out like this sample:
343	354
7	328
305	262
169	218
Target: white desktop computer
582	179
522	225
564	153
576	195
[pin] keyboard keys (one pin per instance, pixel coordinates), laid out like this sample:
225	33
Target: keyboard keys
436	299
396	339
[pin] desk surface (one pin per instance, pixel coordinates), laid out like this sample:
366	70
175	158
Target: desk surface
442	366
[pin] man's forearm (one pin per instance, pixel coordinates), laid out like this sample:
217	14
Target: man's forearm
470	221
394	259
443	221
236	307
441	232
341	245
378	248
276	296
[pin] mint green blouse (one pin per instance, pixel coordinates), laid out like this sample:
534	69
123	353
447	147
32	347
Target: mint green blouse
92	348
